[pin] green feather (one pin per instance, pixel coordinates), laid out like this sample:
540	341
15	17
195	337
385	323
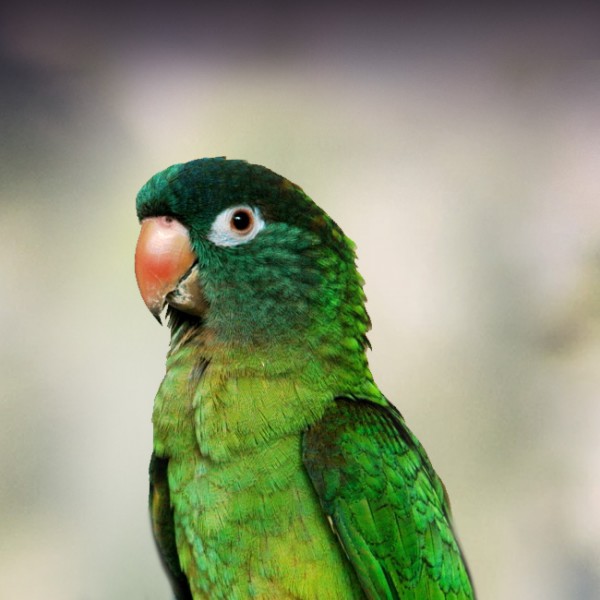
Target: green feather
387	504
280	470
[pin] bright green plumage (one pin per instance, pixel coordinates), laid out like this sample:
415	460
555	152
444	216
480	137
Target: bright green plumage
279	469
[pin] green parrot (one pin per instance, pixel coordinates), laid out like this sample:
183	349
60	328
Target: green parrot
279	470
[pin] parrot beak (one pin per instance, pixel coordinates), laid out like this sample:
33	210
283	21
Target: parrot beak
166	267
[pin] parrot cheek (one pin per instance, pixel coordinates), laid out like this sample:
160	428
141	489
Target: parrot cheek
188	296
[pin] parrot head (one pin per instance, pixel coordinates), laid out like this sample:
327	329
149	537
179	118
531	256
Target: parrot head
240	251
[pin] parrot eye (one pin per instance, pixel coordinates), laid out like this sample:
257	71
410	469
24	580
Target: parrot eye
242	220
235	226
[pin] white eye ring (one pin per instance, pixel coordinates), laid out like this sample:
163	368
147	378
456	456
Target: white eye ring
236	225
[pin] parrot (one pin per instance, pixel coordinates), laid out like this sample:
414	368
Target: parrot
279	470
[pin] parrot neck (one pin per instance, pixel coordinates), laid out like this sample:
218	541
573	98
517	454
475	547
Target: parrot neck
250	376
242	396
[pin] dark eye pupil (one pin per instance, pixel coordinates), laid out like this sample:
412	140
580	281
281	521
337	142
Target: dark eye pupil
241	220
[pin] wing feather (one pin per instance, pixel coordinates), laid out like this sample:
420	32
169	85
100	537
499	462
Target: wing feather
161	515
386	504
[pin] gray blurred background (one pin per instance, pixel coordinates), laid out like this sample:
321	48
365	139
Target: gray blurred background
460	151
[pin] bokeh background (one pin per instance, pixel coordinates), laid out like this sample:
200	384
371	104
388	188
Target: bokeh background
460	151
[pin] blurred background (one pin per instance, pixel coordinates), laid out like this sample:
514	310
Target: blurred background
460	152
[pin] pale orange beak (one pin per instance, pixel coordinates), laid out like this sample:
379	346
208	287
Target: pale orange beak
163	256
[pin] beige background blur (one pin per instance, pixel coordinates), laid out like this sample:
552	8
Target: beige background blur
464	161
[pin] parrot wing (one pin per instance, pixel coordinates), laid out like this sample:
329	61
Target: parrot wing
385	503
161	515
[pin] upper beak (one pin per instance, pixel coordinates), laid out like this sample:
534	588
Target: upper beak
163	256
